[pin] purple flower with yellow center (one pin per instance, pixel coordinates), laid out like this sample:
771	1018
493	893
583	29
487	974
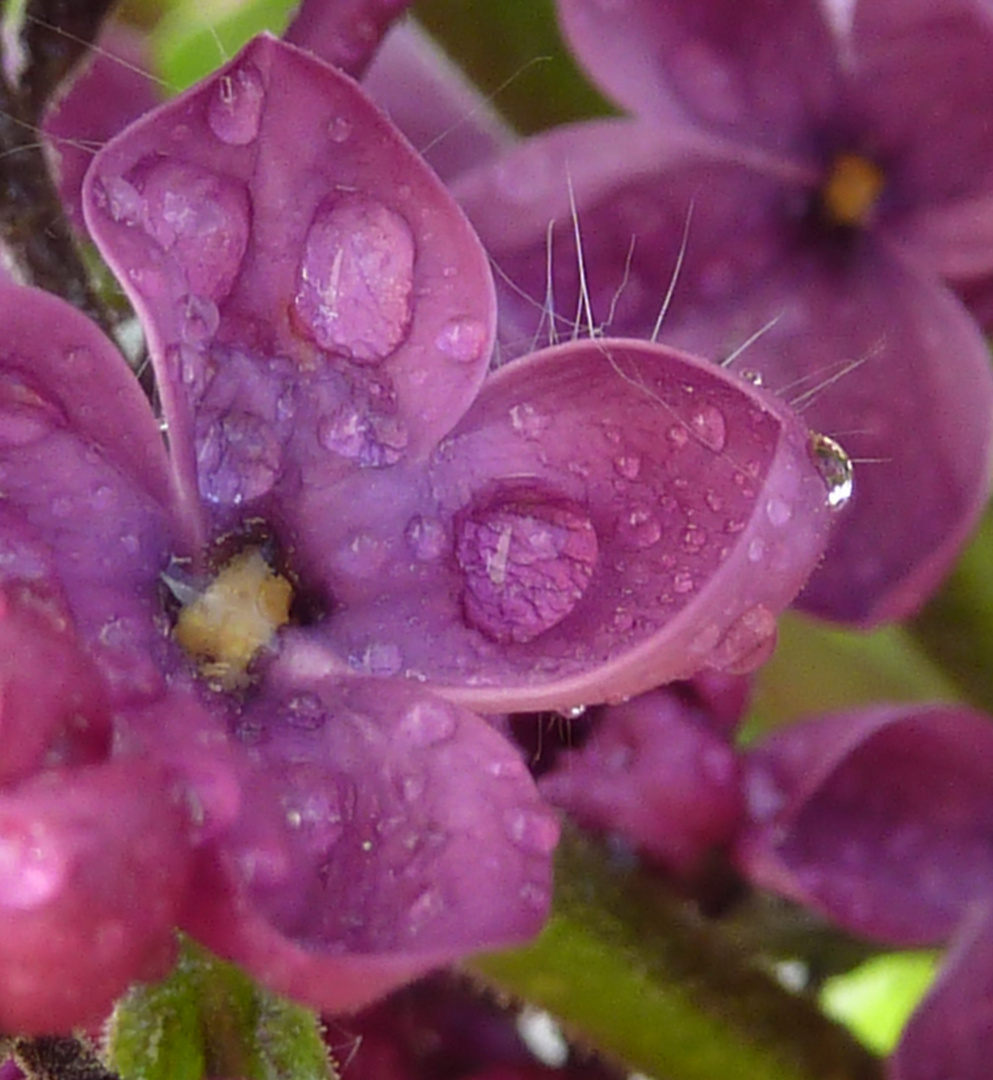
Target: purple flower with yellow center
880	819
355	534
826	166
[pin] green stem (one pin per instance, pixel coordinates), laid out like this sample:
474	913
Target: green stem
642	976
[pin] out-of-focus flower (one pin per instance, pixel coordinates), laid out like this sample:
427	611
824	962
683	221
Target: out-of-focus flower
883	821
344	500
824	175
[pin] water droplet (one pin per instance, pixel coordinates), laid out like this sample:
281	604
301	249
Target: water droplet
835	467
528	421
201	219
531	830
462	340
756	550
682	582
714	501
199	320
678	435
747	644
425	909
340	129
753	377
427	723
426	537
356	280
30	874
694	539
382	659
639	528
361	435
778	511
527	560
573	713
709	427
238	457
235	110
305	712
628	466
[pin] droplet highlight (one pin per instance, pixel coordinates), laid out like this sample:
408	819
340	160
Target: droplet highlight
235	111
835	467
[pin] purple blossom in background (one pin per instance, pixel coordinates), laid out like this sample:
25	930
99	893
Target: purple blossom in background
882	820
320	318
825	175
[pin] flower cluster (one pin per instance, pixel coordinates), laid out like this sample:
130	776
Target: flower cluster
262	638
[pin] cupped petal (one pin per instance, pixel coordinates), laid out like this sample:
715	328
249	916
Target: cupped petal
85	482
654	774
610	515
759	71
881	819
431	101
871	349
406	833
112	90
951	1032
345	34
94	867
314	301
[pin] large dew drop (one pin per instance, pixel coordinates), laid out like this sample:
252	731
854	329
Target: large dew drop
527	560
235	110
835	467
356	280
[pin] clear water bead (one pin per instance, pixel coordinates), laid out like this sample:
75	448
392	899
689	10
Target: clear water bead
835	467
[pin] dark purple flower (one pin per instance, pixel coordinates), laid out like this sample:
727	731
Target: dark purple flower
883	821
320	318
825	175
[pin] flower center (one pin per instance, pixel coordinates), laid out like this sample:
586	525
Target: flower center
851	191
236	615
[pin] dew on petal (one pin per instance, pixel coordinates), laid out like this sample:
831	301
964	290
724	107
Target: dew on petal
835	467
639	527
238	457
429	722
678	436
202	220
778	511
462	340
527	420
747	644
369	438
709	426
628	466
682	582
31	869
531	830
235	110
426	537
356	280
527	560
200	320
340	129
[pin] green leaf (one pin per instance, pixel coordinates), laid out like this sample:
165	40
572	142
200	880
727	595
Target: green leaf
197	36
208	1018
876	999
639	974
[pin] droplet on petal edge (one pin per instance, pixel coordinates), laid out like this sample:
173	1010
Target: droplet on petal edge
835	467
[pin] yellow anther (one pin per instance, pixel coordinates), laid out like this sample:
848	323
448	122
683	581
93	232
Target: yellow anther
235	616
852	189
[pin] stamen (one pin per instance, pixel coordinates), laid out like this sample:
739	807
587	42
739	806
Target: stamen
235	616
852	189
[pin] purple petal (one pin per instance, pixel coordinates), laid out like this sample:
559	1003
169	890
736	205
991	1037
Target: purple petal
654	774
52	706
951	1032
755	70
881	819
430	100
85	480
94	866
109	94
345	33
608	516
868	347
314	301
410	833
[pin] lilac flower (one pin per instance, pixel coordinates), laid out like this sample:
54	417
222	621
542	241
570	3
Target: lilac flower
824	175
882	820
320	318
